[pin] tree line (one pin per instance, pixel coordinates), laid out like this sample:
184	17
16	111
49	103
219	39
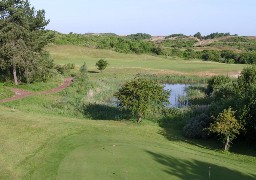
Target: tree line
139	44
232	110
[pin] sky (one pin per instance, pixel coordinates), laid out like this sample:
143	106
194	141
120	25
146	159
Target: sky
155	17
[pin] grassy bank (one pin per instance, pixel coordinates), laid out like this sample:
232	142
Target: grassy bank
50	147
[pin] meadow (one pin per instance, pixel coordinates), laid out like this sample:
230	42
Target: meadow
45	137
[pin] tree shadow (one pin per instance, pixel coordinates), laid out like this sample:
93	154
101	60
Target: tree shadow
195	169
241	146
95	72
172	129
105	112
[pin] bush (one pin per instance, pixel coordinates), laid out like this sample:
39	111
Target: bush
102	64
215	82
196	127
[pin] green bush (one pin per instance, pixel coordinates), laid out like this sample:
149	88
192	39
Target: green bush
215	82
196	126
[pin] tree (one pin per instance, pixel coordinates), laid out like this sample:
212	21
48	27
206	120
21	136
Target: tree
198	35
102	64
216	82
142	97
226	126
245	101
22	39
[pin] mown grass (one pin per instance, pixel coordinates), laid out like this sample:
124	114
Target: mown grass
49	147
47	137
132	63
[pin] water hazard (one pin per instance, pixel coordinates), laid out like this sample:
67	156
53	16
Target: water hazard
179	97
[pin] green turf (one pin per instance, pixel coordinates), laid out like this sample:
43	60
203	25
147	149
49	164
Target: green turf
46	147
138	63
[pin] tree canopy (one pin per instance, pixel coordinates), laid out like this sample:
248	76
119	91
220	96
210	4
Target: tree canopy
22	39
226	126
142	97
101	64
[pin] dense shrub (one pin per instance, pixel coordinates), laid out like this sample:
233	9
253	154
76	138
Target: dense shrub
215	83
216	35
196	126
139	36
179	42
62	69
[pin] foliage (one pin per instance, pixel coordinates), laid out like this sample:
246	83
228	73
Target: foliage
216	35
236	42
179	42
22	42
210	55
196	126
101	64
246	104
238	94
175	35
131	44
215	83
62	69
142	97
247	78
198	35
190	54
171	46
139	36
226	126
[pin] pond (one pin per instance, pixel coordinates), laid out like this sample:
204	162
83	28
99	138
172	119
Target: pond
178	96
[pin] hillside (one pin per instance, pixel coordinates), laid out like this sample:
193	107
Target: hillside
45	137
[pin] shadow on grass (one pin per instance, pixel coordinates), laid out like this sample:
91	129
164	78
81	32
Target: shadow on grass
172	129
194	169
95	72
241	146
105	112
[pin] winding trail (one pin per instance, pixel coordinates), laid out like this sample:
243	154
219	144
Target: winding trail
20	94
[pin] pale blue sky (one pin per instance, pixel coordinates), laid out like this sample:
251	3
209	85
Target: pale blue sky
156	17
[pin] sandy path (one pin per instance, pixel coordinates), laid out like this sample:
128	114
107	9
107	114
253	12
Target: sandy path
20	94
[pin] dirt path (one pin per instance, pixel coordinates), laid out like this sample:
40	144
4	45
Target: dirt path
20	94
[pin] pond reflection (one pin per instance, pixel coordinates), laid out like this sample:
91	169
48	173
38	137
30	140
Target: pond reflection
178	96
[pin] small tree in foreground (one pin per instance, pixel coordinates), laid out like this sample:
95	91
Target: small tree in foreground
101	64
142	97
226	126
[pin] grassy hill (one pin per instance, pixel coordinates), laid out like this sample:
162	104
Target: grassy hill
42	137
64	54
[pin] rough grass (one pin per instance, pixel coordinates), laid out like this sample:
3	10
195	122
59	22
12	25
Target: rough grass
5	92
55	147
